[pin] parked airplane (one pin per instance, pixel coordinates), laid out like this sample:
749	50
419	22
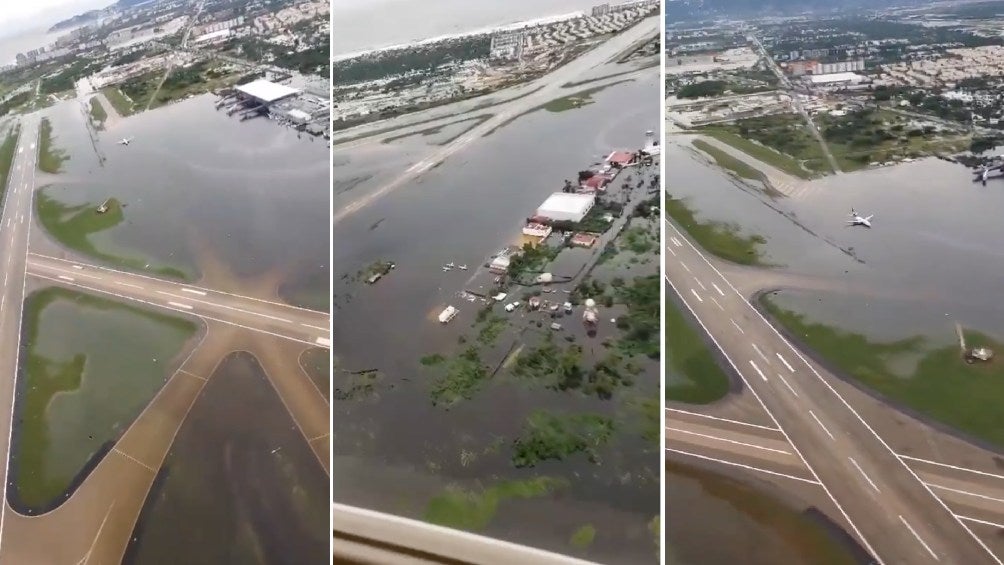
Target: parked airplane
450	265
857	220
125	141
462	267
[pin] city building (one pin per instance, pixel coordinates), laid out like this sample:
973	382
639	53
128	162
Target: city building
265	92
566	207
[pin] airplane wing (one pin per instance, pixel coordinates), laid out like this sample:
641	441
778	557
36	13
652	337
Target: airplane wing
869	218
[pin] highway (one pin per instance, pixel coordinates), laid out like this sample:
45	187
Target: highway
15	223
899	509
547	88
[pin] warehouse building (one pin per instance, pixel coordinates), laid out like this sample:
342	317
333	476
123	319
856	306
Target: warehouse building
566	207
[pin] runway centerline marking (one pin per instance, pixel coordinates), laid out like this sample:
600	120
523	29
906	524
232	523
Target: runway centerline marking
181	305
785	381
193	291
234	308
863	474
820	422
737	326
133	459
760	353
670	249
916	535
718	289
64	277
785	361
129	285
314	327
726	440
697	296
717	303
685	266
758	371
722	419
742	466
700	284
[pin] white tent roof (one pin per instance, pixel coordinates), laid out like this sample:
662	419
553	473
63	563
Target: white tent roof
266	91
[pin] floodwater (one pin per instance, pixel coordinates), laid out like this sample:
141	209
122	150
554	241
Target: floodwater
931	259
364	25
238	490
935	238
126	355
394	450
198	184
712	519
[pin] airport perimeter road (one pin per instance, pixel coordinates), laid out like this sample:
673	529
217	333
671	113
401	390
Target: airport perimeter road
274	318
15	224
548	87
883	502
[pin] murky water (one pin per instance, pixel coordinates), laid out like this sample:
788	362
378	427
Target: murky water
238	490
463	211
197	183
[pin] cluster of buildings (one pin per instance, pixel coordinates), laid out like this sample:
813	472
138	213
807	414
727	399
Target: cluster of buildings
812	67
946	70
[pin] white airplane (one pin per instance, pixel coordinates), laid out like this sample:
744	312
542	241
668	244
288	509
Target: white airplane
857	220
125	141
450	265
447	268
462	267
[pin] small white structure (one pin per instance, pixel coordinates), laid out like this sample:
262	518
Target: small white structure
564	206
833	79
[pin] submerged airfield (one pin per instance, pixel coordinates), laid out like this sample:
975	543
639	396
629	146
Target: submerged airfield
455	184
847	391
171	352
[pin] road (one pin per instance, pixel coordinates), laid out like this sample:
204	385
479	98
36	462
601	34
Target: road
548	87
15	223
816	435
797	102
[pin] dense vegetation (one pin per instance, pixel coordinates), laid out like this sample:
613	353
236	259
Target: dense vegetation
549	436
425	58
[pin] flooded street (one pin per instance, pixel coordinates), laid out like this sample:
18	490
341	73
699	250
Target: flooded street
197	187
394	450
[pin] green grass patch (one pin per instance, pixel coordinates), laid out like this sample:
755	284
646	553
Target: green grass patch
561	369
50	159
7	157
641	324
639	240
699	379
474	510
492	329
92	365
728	162
432	360
583	537
72	225
548	436
943	386
123	105
784	143
570	102
464	375
98	113
720	238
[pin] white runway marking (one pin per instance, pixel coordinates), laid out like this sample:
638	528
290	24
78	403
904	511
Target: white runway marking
740	465
950	466
726	440
820	422
697	296
314	327
758	371
785	361
66	278
78	267
966	492
700	284
722	419
783	380
715	300
130	285
760	353
737	326
865	475
914	532
193	291
685	266
670	249
718	289
180	305
323	341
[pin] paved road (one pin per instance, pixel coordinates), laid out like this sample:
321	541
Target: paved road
15	223
549	87
273	318
884	503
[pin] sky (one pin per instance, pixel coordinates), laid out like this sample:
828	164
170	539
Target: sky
17	16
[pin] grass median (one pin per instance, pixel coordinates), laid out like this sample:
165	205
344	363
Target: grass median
942	386
721	239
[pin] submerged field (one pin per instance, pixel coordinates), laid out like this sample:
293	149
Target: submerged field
92	365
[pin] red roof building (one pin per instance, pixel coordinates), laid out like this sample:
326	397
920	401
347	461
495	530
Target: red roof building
597	182
621	158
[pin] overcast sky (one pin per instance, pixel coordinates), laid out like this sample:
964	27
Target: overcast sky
17	16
